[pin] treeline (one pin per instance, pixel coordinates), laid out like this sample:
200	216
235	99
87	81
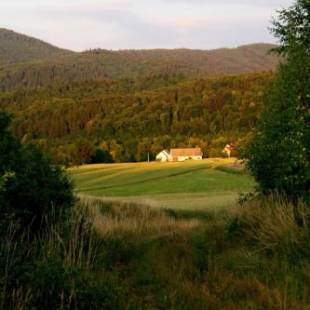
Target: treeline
106	121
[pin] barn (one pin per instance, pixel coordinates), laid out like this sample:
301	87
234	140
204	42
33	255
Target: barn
185	154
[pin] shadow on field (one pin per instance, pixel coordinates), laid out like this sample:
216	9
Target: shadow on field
203	215
171	175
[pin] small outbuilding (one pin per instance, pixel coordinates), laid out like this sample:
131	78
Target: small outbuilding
228	149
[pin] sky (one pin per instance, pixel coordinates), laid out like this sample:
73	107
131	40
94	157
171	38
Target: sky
136	24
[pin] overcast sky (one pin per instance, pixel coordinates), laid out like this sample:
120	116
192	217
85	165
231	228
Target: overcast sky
121	24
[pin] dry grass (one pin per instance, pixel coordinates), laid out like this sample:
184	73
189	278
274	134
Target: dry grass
63	248
126	218
276	224
78	247
141	257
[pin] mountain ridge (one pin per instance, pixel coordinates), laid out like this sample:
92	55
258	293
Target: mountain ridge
42	64
20	48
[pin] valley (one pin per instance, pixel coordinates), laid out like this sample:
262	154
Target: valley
155	178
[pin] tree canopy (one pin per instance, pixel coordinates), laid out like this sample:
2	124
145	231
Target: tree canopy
279	152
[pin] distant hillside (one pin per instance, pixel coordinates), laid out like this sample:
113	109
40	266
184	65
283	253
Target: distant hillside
50	65
17	48
130	119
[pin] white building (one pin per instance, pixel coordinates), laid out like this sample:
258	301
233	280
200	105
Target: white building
163	156
228	149
180	154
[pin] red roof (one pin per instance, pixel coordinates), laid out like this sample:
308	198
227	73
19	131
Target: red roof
186	152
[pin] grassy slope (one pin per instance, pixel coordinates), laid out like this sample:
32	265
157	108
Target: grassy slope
192	184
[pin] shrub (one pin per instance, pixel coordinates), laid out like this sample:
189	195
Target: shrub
101	156
83	151
31	188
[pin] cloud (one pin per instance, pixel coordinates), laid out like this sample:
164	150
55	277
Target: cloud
269	3
109	26
115	24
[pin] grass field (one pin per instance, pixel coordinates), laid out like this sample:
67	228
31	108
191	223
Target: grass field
199	185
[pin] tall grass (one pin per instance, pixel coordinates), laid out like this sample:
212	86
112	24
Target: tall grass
56	270
123	256
131	219
277	226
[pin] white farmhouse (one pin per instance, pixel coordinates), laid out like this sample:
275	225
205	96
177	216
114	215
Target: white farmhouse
180	154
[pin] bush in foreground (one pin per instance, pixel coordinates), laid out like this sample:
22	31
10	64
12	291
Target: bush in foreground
31	189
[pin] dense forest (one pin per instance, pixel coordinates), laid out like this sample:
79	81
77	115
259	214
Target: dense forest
127	120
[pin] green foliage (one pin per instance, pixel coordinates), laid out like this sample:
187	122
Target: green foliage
9	147
101	156
279	154
31	188
292	28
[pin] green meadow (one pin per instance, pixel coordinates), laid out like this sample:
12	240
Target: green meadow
212	183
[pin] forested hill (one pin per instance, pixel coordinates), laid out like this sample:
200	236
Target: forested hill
48	65
126	104
124	121
16	48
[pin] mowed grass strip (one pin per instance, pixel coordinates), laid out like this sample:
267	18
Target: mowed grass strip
192	184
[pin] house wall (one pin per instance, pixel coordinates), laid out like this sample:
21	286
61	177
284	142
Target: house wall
162	157
183	158
165	157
